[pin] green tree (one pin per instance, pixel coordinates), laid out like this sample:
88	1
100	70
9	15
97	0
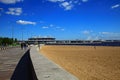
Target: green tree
15	40
7	41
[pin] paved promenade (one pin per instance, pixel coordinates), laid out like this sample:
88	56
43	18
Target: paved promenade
9	59
29	65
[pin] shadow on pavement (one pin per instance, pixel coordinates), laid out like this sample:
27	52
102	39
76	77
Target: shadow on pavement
24	69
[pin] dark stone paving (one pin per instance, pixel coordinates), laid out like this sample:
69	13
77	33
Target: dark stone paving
8	61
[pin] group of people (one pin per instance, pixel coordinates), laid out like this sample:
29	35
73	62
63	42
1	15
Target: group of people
23	45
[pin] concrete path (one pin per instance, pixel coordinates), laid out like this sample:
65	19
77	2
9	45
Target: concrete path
46	69
9	59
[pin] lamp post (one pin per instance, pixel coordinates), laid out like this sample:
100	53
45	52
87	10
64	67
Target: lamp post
22	33
12	34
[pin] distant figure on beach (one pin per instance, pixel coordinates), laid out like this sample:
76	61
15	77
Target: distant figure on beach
94	47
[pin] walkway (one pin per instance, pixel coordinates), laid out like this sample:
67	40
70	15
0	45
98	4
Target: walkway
9	59
30	66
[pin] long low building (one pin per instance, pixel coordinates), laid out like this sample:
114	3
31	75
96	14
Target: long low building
53	41
40	40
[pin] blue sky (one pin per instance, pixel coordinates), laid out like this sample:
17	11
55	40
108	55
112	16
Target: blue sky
62	19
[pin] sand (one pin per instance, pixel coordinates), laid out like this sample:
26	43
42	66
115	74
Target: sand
86	62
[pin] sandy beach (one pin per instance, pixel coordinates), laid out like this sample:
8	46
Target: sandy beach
86	62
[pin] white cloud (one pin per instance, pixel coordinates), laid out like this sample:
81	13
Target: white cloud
76	2
10	1
56	0
110	35
25	22
84	0
45	27
14	11
52	27
115	6
67	5
105	33
90	35
86	32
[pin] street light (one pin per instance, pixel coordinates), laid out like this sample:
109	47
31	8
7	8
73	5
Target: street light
12	34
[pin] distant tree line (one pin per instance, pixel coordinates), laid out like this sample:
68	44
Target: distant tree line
4	41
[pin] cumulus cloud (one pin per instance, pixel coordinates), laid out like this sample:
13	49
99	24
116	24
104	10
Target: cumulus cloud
14	11
10	1
115	6
90	35
25	22
66	5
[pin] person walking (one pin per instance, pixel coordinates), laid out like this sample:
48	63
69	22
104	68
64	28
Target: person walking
22	46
